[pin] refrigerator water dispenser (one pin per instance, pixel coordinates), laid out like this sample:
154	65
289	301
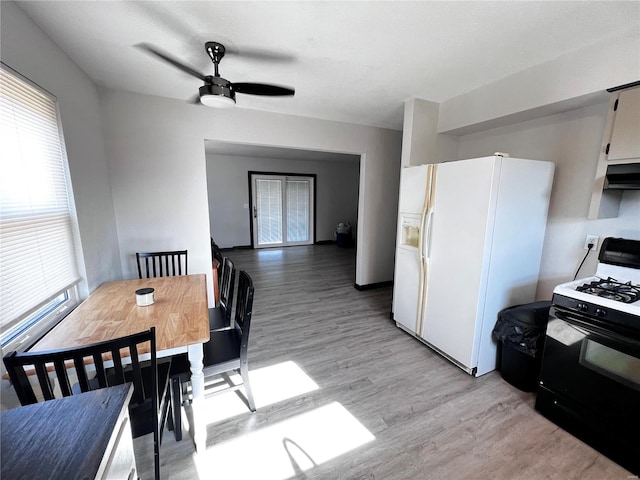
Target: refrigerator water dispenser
410	232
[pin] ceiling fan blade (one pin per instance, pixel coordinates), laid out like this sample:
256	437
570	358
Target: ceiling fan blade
169	59
262	89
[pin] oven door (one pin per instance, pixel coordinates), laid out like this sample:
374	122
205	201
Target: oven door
590	384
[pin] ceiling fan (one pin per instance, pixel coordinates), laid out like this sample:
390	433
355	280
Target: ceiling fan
218	91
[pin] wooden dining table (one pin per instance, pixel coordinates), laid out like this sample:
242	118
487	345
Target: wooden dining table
180	314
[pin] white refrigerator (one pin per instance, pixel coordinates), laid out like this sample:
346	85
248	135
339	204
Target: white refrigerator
469	243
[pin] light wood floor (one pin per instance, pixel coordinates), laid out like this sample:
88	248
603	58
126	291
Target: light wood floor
385	407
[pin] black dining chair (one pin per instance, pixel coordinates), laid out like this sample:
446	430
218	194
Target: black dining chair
162	264
150	403
226	351
220	315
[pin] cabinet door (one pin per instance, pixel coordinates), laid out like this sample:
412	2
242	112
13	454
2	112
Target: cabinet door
625	138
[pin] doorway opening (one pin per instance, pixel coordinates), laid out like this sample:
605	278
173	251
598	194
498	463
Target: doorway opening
333	197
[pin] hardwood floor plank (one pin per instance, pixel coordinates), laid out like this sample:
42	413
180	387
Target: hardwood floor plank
429	419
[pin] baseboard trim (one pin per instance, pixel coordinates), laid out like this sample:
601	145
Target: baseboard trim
371	286
249	247
242	247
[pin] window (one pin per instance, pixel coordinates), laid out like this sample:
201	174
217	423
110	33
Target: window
38	271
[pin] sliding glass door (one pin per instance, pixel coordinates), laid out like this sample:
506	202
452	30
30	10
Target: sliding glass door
282	210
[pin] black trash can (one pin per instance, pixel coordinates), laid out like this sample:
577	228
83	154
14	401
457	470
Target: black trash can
343	240
343	235
521	331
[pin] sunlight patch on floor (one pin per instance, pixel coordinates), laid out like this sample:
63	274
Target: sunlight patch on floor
270	254
280	451
270	385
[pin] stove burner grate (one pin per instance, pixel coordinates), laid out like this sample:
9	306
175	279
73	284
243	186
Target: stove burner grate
612	289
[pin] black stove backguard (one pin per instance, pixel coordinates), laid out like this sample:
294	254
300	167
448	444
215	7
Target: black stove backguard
621	252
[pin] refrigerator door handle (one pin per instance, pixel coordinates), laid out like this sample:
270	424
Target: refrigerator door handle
426	254
422	237
426	219
422	271
421	249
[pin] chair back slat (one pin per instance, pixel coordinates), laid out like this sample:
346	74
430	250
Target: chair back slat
101	373
45	382
162	264
138	386
81	374
117	365
63	377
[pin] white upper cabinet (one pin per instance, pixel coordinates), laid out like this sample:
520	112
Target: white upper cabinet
620	145
625	137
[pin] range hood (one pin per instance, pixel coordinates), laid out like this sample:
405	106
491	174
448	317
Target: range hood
624	176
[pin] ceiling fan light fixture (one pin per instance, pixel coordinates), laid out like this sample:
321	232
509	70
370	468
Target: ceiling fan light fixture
217	96
217	101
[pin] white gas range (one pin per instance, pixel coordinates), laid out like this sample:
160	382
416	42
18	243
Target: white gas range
613	294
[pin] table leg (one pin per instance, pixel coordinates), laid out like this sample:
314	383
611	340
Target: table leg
197	386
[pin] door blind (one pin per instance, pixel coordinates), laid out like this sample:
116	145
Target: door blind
269	200
297	210
37	254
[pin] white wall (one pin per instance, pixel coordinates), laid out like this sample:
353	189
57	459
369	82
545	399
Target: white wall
421	143
572	141
157	161
227	182
26	49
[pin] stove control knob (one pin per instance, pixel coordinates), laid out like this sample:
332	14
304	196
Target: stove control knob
601	312
583	307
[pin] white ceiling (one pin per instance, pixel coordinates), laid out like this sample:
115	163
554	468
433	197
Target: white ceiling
348	61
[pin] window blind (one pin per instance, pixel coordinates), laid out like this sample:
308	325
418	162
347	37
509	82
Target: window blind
37	254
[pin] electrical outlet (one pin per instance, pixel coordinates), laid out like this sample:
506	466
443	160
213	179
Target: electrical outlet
591	239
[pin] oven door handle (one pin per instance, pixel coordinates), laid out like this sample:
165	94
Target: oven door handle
593	328
571	318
